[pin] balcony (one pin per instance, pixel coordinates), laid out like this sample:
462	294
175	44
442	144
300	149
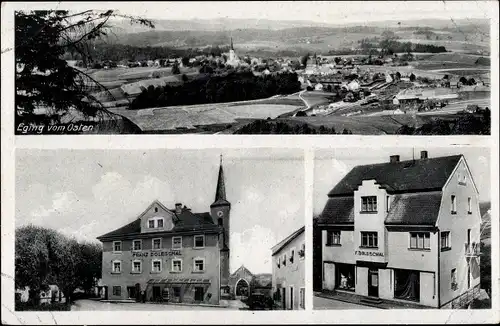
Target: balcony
472	250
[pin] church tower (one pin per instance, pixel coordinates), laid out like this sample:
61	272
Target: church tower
220	210
232	54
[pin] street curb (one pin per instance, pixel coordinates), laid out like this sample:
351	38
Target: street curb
347	301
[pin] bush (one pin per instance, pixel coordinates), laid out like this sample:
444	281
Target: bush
28	306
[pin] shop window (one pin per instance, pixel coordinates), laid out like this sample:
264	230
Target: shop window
199	241
420	240
137	245
407	285
453	204
445	240
369	203
117	266
177	242
156	266
176	265
369	239
345	277
117	291
333	238
136	266
117	246
156	243
177	291
199	265
454	284
302	294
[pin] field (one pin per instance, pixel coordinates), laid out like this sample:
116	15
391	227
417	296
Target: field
362	125
192	117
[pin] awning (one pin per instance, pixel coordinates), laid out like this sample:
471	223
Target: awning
179	281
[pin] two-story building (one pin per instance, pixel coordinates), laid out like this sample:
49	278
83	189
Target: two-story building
170	254
406	231
288	278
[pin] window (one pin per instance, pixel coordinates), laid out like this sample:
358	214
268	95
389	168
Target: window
156	266
199	265
155	222
292	255
177	242
469	205
151	224
302	251
278	262
369	239
454	284
177	291
117	246
369	204
302	298
117	266
176	265
136	266
117	291
199	241
388	202
453	204
137	245
284	260
445	240
156	243
420	240
159	223
333	238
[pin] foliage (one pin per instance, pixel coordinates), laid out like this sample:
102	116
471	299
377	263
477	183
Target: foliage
27	306
485	267
304	59
43	77
229	87
285	128
175	69
45	257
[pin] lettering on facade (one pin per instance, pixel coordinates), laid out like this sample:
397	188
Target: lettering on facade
369	253
157	253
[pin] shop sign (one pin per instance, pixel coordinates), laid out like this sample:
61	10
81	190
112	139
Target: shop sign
154	253
369	253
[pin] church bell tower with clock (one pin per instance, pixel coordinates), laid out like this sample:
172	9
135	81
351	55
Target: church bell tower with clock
220	210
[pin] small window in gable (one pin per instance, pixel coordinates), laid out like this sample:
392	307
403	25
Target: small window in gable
160	223
151	224
156	209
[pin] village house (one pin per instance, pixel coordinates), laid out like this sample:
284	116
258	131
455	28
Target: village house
288	279
170	254
404	231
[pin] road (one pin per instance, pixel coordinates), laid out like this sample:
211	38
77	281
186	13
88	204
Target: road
323	304
91	305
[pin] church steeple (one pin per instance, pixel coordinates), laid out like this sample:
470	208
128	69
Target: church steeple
220	191
232	48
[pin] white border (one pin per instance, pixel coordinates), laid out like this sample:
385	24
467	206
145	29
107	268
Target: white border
307	143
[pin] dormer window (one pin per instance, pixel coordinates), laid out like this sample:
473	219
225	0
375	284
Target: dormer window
151	224
159	223
155	222
369	203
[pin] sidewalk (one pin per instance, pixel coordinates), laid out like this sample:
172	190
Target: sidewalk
221	305
358	299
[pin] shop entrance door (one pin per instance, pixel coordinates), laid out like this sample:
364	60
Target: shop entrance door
156	293
373	282
132	294
198	293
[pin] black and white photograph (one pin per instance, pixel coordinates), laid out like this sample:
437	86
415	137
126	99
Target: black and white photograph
262	67
402	228
159	230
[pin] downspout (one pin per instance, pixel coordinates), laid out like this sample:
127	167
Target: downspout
439	270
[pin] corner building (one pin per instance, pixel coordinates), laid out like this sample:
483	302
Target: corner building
406	231
170	254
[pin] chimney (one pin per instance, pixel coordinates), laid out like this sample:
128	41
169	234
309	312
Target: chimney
178	208
424	155
394	158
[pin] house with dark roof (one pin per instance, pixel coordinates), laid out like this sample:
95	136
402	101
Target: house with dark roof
288	278
243	283
170	254
404	232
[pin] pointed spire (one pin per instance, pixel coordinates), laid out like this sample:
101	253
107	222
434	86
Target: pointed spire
220	191
231	48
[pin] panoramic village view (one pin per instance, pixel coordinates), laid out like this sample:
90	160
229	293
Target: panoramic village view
144	239
226	75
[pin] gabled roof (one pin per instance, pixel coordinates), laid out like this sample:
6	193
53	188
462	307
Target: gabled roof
277	248
405	176
183	222
338	210
220	191
240	270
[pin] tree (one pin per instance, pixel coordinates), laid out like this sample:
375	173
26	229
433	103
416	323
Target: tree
184	78
463	80
185	61
175	69
43	77
304	59
412	77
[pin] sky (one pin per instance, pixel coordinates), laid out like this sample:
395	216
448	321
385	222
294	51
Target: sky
87	193
331	12
330	166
